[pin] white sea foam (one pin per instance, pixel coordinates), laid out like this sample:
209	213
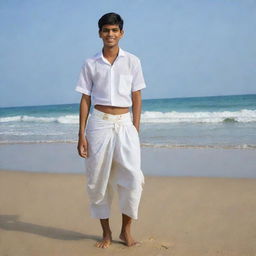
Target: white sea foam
243	146
66	119
10	119
144	145
6	142
242	116
31	133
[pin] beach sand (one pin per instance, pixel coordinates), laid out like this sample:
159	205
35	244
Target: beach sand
47	214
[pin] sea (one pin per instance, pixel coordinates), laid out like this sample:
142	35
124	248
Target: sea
227	122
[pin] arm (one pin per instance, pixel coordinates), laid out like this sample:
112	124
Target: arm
136	108
85	105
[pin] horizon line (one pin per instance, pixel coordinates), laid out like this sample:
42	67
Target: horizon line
186	97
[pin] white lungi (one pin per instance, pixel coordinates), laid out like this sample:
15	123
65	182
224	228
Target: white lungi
114	163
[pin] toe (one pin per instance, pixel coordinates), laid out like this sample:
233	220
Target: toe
106	244
102	244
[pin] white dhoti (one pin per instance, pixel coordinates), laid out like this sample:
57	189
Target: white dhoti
114	163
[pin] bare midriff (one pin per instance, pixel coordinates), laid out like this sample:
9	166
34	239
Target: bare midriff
112	110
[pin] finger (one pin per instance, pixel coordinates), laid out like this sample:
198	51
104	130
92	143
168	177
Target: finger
86	150
84	154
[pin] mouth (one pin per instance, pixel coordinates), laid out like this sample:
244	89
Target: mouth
110	39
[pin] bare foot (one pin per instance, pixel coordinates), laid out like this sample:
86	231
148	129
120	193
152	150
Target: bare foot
105	243
128	240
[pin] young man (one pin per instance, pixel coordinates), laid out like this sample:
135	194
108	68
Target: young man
111	81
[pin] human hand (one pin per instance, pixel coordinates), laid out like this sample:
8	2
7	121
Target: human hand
82	147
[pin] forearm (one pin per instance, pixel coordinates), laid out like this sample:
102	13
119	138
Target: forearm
136	109
85	105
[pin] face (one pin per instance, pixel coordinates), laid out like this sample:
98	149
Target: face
111	34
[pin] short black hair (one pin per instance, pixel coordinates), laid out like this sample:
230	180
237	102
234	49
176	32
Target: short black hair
111	19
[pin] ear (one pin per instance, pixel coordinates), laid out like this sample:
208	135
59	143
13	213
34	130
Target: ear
122	33
99	34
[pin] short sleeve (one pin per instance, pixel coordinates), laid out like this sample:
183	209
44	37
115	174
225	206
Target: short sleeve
84	84
138	81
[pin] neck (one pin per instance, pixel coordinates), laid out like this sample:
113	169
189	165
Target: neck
109	52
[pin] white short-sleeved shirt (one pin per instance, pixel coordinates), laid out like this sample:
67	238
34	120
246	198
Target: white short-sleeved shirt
108	84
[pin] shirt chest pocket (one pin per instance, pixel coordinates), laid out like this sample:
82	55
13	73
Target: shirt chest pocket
125	84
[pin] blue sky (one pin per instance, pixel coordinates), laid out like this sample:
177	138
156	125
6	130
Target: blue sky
187	48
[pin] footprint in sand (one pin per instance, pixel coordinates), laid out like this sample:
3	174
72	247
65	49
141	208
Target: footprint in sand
159	244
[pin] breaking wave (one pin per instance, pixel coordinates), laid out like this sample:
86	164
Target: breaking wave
66	119
242	116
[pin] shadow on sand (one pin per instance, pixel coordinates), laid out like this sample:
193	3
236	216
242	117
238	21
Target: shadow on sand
11	223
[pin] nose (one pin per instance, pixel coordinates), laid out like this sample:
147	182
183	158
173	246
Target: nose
110	32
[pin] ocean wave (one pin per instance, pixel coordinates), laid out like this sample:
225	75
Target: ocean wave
242	116
66	119
230	120
243	146
30	133
143	145
7	142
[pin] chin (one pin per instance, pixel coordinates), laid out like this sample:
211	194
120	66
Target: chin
110	45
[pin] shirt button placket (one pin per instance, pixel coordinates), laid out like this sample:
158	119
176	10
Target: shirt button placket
111	80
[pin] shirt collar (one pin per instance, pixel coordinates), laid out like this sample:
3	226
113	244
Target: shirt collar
121	53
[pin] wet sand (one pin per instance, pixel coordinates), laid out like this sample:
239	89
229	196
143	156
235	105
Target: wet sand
195	162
